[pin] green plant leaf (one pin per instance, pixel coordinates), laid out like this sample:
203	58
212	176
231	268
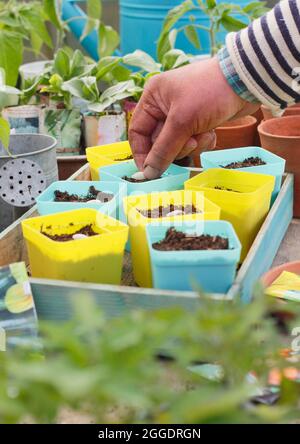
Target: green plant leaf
53	11
172	18
11	55
174	59
142	60
91	25
105	65
109	40
35	23
232	24
192	35
62	63
4	133
211	4
94	9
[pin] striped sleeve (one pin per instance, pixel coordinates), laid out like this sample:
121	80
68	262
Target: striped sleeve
266	56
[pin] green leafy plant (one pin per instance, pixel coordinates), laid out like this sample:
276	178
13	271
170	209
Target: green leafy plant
22	27
219	14
86	88
109	368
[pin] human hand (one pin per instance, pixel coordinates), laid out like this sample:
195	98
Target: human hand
177	113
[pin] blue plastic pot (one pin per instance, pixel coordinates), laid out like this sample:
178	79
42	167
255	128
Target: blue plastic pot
46	204
275	165
171	180
213	271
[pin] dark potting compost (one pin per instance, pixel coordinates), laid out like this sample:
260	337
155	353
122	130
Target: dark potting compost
130	157
225	189
64	196
249	162
177	241
132	180
87	231
164	211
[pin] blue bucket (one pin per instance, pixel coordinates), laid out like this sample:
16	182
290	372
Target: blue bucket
141	23
46	205
275	165
212	270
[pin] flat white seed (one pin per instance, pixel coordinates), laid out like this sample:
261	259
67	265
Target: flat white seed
94	201
79	236
175	213
138	176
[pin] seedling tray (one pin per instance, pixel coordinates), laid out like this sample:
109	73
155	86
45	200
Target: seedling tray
54	298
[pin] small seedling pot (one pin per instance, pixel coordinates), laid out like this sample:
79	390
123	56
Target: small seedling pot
94	259
46	204
138	222
213	271
246	206
108	127
172	179
99	156
275	165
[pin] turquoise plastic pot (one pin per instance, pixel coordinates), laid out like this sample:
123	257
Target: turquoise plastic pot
172	179
212	271
275	165
46	204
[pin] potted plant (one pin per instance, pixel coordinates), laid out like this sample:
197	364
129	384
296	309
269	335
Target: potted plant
104	121
220	16
185	258
281	136
168	206
244	199
80	245
105	197
250	159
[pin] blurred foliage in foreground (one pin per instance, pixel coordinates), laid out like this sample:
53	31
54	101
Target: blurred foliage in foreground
110	369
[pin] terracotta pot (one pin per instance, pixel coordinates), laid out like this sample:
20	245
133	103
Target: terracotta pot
281	136
290	111
237	133
258	115
269	277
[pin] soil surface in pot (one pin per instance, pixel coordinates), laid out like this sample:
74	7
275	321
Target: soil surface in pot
178	241
225	189
132	180
93	194
86	231
165	211
130	157
249	162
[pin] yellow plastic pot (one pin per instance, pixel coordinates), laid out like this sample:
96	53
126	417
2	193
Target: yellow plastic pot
100	156
245	207
137	223
93	259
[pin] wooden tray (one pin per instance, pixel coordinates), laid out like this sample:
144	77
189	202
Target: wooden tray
53	298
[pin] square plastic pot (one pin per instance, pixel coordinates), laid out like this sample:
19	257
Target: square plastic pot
213	271
137	223
95	259
46	204
246	206
100	156
275	165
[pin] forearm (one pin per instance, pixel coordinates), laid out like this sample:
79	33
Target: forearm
266	58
